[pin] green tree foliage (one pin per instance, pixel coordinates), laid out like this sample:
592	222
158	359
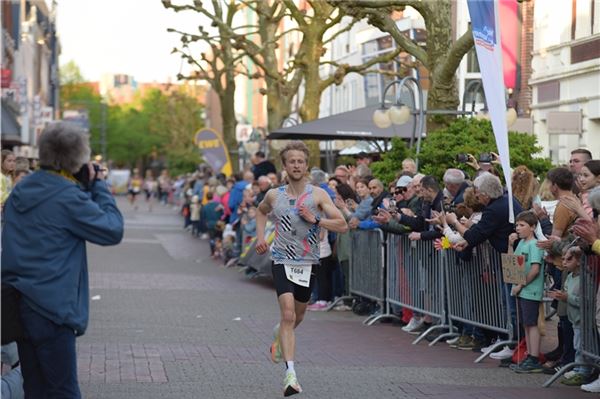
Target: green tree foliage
465	135
157	129
154	131
391	161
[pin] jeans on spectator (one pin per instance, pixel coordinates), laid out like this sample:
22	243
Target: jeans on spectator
517	329
196	228
48	357
568	351
579	358
12	384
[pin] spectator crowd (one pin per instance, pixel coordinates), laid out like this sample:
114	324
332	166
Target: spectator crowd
556	227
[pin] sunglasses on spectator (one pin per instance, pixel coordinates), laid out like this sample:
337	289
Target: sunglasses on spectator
400	190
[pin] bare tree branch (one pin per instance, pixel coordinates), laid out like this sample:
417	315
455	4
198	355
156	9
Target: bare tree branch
455	55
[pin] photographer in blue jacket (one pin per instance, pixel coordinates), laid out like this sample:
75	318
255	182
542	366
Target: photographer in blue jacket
48	218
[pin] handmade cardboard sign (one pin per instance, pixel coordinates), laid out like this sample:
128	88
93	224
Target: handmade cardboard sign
513	269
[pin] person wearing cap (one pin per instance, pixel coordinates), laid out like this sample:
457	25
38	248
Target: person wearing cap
363	159
406	198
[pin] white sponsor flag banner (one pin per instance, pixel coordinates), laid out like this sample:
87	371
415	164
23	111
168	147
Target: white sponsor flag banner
486	33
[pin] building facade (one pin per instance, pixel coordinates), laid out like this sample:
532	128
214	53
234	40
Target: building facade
565	77
30	80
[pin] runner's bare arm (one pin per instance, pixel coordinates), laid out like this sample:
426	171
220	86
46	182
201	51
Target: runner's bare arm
334	220
264	208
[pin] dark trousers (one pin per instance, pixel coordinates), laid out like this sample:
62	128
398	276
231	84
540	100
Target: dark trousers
324	277
48	358
568	350
338	279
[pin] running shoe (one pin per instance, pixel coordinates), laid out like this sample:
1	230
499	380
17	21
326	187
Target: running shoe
412	324
575	380
275	349
530	365
592	386
290	385
505	353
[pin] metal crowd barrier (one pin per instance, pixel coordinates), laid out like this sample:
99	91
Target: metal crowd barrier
416	280
590	326
367	269
477	294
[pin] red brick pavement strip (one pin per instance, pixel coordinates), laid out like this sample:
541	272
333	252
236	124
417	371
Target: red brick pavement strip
122	363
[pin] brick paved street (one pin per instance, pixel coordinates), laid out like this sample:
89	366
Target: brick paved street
167	322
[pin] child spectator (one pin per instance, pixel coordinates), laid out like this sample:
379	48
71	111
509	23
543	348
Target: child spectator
210	215
571	295
530	294
195	215
249	224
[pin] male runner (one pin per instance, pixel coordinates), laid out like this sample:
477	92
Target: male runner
300	210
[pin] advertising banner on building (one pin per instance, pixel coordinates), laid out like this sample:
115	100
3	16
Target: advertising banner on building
486	33
214	151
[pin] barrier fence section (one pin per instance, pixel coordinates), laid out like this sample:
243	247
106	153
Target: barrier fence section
478	296
416	280
590	318
367	268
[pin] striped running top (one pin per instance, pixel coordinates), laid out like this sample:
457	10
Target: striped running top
296	241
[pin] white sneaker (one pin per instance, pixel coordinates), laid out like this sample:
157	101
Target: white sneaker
413	324
505	353
593	386
453	340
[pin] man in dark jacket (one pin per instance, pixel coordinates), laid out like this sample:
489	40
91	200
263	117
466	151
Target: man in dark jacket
48	219
494	225
262	166
433	199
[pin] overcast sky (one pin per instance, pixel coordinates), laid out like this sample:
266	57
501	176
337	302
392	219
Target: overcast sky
122	36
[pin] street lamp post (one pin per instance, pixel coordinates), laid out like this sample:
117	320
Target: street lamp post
399	113
475	86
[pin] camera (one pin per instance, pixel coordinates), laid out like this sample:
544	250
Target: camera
449	208
485	157
84	178
462	158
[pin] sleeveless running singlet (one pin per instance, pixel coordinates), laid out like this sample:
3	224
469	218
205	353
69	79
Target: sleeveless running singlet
296	241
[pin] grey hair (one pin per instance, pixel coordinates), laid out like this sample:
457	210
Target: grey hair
64	146
363	170
454	176
264	178
594	199
377	182
317	176
488	184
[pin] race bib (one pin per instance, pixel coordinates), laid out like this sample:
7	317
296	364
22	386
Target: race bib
298	274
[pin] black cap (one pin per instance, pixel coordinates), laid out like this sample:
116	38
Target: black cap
362	155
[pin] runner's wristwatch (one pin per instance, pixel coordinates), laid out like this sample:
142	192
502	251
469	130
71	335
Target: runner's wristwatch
317	221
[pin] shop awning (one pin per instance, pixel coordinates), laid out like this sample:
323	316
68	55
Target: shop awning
352	125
